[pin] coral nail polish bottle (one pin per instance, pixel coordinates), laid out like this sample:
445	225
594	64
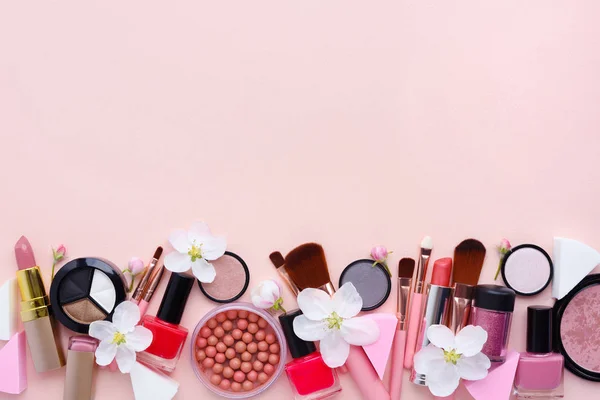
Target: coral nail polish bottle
540	371
310	377
168	336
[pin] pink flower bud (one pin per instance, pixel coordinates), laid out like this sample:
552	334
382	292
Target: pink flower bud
379	253
504	246
60	252
136	266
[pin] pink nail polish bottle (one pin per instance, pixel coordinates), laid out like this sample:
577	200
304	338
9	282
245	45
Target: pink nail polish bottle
540	371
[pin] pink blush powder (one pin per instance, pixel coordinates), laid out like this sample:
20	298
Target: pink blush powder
527	270
580	328
231	280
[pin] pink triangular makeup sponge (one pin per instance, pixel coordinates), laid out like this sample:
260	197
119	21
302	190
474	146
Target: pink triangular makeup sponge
379	351
498	385
573	260
13	365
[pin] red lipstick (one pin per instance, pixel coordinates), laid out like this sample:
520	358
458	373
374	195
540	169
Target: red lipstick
442	270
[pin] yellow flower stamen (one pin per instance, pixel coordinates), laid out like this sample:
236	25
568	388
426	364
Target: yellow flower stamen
451	356
334	321
195	252
119	338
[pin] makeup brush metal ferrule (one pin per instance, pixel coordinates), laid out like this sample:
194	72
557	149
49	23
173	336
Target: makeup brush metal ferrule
279	263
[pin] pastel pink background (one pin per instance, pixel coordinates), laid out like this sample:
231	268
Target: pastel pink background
349	123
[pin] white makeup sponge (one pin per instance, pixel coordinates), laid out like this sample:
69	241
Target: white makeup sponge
573	260
150	384
9	322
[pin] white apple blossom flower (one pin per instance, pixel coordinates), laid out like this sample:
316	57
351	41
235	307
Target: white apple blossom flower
193	249
447	359
121	338
330	320
267	295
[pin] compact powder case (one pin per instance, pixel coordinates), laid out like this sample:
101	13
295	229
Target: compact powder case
527	269
85	290
372	282
231	282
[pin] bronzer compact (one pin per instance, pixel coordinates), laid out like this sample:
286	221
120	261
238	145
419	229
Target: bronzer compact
86	290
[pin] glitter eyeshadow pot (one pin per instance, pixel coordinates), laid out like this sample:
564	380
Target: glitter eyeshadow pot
231	281
85	290
493	307
577	328
373	283
527	269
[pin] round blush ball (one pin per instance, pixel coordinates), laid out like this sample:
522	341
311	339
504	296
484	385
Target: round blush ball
220	358
240	347
205	332
219	332
230	353
252	376
246	367
221	317
269	369
263	346
237	334
222	347
263	356
212	340
246	356
247	386
262	323
218	368
208	362
252	347
236	363
273	359
236	387
242	324
253	317
200	355
270	338
252	327
262	377
228	372
211	351
215	379
212	323
228	340
227	326
232	314
274	348
239	376
258	366
247	337
201	342
260	335
243	314
225	384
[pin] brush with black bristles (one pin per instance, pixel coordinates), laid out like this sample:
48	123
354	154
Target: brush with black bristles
406	267
279	263
307	268
468	262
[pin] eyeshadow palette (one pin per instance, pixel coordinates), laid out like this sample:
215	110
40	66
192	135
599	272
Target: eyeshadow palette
86	290
231	281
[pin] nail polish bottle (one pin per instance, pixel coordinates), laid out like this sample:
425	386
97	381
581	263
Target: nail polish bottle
168	336
309	376
540	371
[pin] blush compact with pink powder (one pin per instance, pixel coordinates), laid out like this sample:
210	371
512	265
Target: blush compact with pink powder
577	328
231	282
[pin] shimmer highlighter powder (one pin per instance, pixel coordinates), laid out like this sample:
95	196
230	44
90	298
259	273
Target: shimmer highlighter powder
231	281
527	269
372	282
577	331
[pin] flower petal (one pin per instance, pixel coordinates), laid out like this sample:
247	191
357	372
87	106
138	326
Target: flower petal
427	358
102	330
309	330
125	358
315	304
105	352
203	270
179	241
334	349
140	339
441	336
213	247
443	379
360	331
473	368
346	301
470	340
126	316
198	230
178	262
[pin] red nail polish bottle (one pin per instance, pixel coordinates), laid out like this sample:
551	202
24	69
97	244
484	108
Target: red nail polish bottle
168	336
310	377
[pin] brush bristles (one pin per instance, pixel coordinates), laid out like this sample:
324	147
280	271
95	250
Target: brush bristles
469	256
307	267
158	253
406	267
277	259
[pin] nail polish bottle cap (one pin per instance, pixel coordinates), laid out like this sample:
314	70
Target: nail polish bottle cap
298	347
539	329
176	295
494	297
